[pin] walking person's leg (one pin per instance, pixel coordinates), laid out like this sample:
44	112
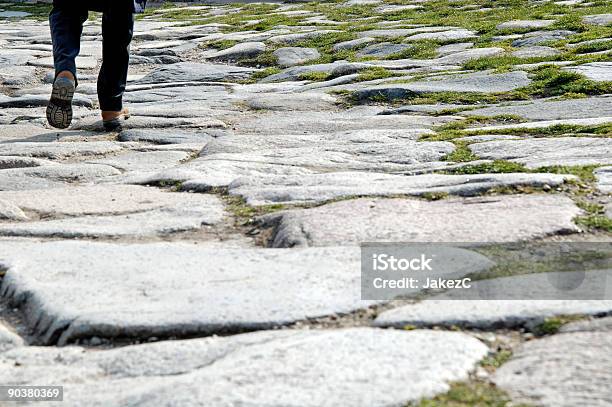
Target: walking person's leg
66	23
117	31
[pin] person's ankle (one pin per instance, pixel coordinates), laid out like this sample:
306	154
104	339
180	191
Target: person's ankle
66	74
111	114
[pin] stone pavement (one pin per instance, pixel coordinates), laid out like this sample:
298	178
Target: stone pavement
208	253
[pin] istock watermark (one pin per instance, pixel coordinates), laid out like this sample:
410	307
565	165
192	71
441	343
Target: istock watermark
487	271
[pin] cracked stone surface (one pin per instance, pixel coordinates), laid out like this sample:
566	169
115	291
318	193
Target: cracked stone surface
543	152
562	370
328	186
491	219
526	302
265	364
133	292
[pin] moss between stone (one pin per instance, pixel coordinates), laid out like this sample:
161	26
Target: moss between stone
552	325
471	394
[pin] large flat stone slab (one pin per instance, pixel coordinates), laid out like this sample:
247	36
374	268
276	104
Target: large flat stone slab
100	200
8	339
525	301
158	222
475	82
589	325
543	109
291	56
144	161
272	368
541	152
60	150
597	71
324	187
197	72
489	219
172	289
562	371
164	136
49	176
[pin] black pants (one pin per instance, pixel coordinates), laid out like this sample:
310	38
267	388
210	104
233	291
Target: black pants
66	21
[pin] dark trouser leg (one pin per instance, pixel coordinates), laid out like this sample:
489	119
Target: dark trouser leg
66	22
117	30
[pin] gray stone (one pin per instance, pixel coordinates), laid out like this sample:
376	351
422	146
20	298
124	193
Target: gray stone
382	50
157	222
598	19
100	200
453	48
164	136
13	14
131	290
60	150
9	211
524	24
41	100
314	101
265	364
542	124
400	32
536	51
561	371
291	56
588	325
8	162
490	219
8	340
239	51
196	72
145	121
352	44
50	175
542	152
394	8
143	161
450	35
546	109
604	179
488	137
16	75
540	37
528	302
82	62
328	186
294	73
474	82
293	38
597	71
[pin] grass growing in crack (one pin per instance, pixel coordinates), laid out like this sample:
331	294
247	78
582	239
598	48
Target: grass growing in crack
496	360
462	153
584	172
474	394
495	167
552	325
244	213
264	73
598	222
314	76
567	130
374	73
418	50
553	81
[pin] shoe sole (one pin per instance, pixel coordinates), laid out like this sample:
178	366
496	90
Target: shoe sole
59	109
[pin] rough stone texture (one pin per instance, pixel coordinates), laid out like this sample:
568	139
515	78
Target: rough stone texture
164	137
544	109
450	35
266	364
196	72
164	221
604	179
453	48
597	71
489	219
51	175
60	150
306	101
382	50
323	187
536	52
291	56
352	44
100	200
9	211
293	38
540	37
474	82
598	19
524	24
143	161
132	290
543	152
527	301
562	370
8	340
588	325
240	51
40	100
